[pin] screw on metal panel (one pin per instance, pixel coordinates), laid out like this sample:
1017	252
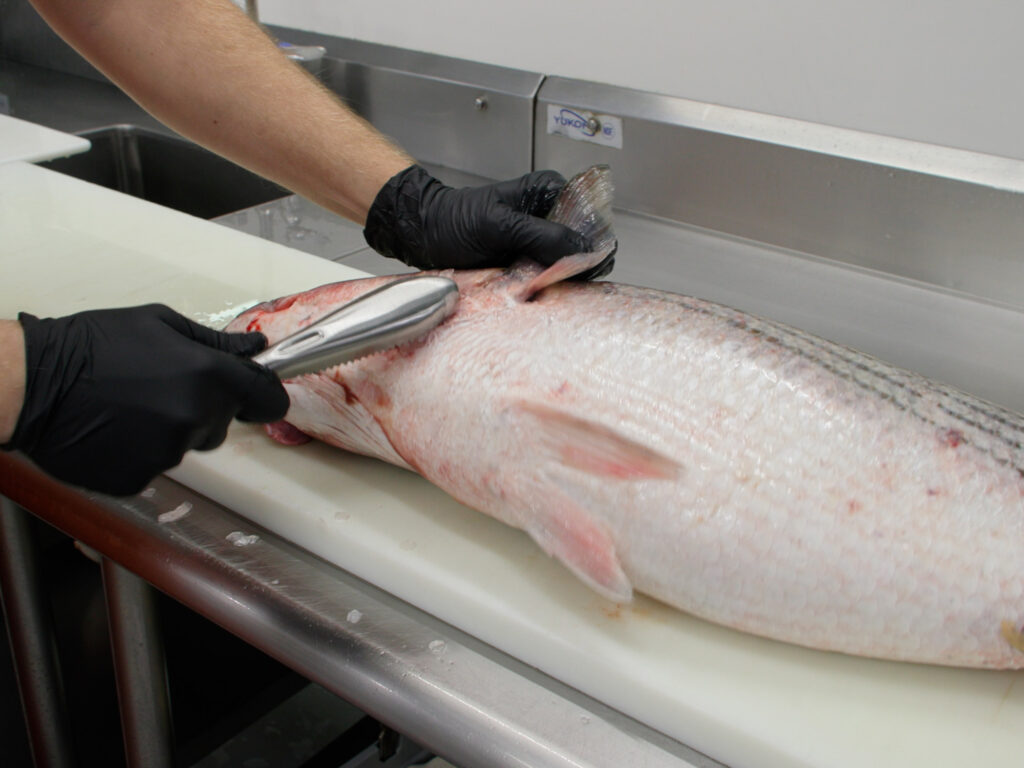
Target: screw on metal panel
480	102
594	125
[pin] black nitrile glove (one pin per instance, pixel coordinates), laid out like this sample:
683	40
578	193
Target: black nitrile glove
114	397
417	219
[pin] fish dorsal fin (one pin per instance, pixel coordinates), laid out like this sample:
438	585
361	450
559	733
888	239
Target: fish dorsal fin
591	447
582	544
563	269
584	205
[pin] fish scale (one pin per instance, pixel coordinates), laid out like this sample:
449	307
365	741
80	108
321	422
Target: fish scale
733	467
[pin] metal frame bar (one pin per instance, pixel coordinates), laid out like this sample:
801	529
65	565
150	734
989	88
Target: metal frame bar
139	668
33	643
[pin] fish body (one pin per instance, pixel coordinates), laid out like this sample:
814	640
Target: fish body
736	468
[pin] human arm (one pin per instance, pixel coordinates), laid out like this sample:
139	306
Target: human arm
111	398
206	70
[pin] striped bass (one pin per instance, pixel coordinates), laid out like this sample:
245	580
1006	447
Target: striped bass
734	467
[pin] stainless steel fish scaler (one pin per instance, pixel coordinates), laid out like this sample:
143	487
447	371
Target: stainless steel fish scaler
383	318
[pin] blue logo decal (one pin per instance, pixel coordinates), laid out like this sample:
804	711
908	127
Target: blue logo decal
566	118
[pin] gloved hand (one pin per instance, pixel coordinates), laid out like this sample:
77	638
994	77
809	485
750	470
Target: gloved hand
417	219
114	397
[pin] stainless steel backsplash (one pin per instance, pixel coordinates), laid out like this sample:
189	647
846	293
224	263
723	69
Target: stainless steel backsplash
945	217
27	39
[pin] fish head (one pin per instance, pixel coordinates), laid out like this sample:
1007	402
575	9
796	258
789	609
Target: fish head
281	317
345	405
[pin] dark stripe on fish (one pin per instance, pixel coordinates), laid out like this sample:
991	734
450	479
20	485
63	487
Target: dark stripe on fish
796	342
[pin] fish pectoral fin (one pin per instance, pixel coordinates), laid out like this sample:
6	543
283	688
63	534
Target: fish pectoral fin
583	545
595	448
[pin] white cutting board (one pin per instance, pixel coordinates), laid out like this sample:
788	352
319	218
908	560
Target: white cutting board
22	140
66	245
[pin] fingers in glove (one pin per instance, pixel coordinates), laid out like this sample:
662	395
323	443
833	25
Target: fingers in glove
212	435
267	400
535	193
239	344
248	390
539	239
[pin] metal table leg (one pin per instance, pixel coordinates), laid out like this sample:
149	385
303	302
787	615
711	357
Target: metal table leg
33	644
139	668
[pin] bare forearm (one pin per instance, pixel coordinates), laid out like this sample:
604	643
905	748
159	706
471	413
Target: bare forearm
204	69
12	376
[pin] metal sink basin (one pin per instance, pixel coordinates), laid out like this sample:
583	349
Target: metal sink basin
168	171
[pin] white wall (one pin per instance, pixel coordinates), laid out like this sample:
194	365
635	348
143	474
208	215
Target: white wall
946	72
